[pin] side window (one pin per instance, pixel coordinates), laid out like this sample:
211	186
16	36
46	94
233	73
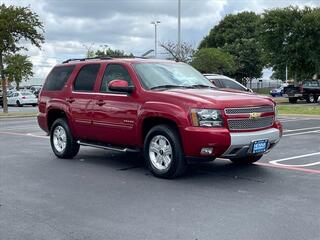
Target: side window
112	72
58	78
216	82
86	78
231	84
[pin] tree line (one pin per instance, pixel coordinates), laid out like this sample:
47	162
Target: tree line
242	44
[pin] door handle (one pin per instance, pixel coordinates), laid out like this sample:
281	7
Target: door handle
100	103
70	100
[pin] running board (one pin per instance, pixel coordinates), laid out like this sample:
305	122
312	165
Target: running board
108	147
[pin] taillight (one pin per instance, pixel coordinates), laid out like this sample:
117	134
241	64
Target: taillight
23	97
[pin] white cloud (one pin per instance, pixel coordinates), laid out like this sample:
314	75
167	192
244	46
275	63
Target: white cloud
125	24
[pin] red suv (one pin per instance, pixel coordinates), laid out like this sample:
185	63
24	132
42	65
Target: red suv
165	109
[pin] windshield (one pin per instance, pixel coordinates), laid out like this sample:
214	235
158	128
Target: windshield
169	75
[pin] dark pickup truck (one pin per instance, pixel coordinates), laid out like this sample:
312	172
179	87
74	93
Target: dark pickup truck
309	90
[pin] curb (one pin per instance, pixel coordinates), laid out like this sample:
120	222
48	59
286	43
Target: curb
18	116
300	115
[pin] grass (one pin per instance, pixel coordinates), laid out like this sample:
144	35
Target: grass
18	114
299	110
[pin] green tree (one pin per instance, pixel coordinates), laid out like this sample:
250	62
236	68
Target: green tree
238	34
290	37
213	60
17	23
18	67
109	52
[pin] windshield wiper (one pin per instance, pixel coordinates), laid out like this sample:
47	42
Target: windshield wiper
201	86
167	86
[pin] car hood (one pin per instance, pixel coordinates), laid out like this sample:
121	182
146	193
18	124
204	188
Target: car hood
218	98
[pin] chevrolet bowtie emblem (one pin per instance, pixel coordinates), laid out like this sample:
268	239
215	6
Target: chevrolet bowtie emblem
255	115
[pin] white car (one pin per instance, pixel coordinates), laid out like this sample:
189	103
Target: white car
20	98
226	83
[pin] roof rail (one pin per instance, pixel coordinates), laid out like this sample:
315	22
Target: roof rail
85	59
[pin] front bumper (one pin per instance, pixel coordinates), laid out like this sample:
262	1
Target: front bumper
224	143
241	143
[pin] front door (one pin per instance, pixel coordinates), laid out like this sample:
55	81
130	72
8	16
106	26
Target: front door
115	114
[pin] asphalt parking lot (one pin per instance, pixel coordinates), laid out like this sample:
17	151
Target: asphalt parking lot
107	195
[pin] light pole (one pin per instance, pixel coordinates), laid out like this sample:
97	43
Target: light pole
155	23
179	26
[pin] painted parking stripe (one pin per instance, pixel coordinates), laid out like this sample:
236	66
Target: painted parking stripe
23	134
292	168
277	162
300	129
300	133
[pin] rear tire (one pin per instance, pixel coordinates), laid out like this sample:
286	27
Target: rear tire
63	144
293	100
164	153
246	160
311	98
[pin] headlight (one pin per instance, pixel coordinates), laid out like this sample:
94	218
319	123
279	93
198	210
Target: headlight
206	118
275	112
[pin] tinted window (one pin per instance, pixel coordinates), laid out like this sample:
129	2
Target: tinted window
233	85
86	78
114	71
310	84
58	78
216	82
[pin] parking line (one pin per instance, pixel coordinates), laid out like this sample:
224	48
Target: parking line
24	134
289	167
300	129
276	162
301	133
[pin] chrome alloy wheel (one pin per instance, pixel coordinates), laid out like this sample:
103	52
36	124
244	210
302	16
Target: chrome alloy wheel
160	152
59	139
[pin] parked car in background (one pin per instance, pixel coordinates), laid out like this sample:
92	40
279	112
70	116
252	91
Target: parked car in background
309	90
1	100
278	92
35	89
226	83
20	98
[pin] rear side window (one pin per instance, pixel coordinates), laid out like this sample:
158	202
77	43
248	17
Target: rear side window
233	85
58	78
86	78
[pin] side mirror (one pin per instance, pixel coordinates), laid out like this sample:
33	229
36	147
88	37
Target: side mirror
120	86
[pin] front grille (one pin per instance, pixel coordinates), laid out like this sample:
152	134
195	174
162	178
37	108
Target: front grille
250	124
249	110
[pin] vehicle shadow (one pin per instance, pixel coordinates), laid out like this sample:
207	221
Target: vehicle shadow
218	169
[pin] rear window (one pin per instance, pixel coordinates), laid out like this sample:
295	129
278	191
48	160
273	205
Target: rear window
58	78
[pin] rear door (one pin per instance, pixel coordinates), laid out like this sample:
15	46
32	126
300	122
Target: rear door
115	113
81	100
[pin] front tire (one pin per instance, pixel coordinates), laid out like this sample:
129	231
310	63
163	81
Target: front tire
164	153
18	103
63	144
246	160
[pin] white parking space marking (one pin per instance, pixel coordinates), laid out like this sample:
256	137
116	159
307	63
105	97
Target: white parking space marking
300	129
297	119
277	162
300	133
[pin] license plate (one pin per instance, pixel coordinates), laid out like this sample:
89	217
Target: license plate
259	146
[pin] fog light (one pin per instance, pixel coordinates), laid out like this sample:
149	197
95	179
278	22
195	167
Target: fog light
206	151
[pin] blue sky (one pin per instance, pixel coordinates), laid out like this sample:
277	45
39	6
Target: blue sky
71	26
